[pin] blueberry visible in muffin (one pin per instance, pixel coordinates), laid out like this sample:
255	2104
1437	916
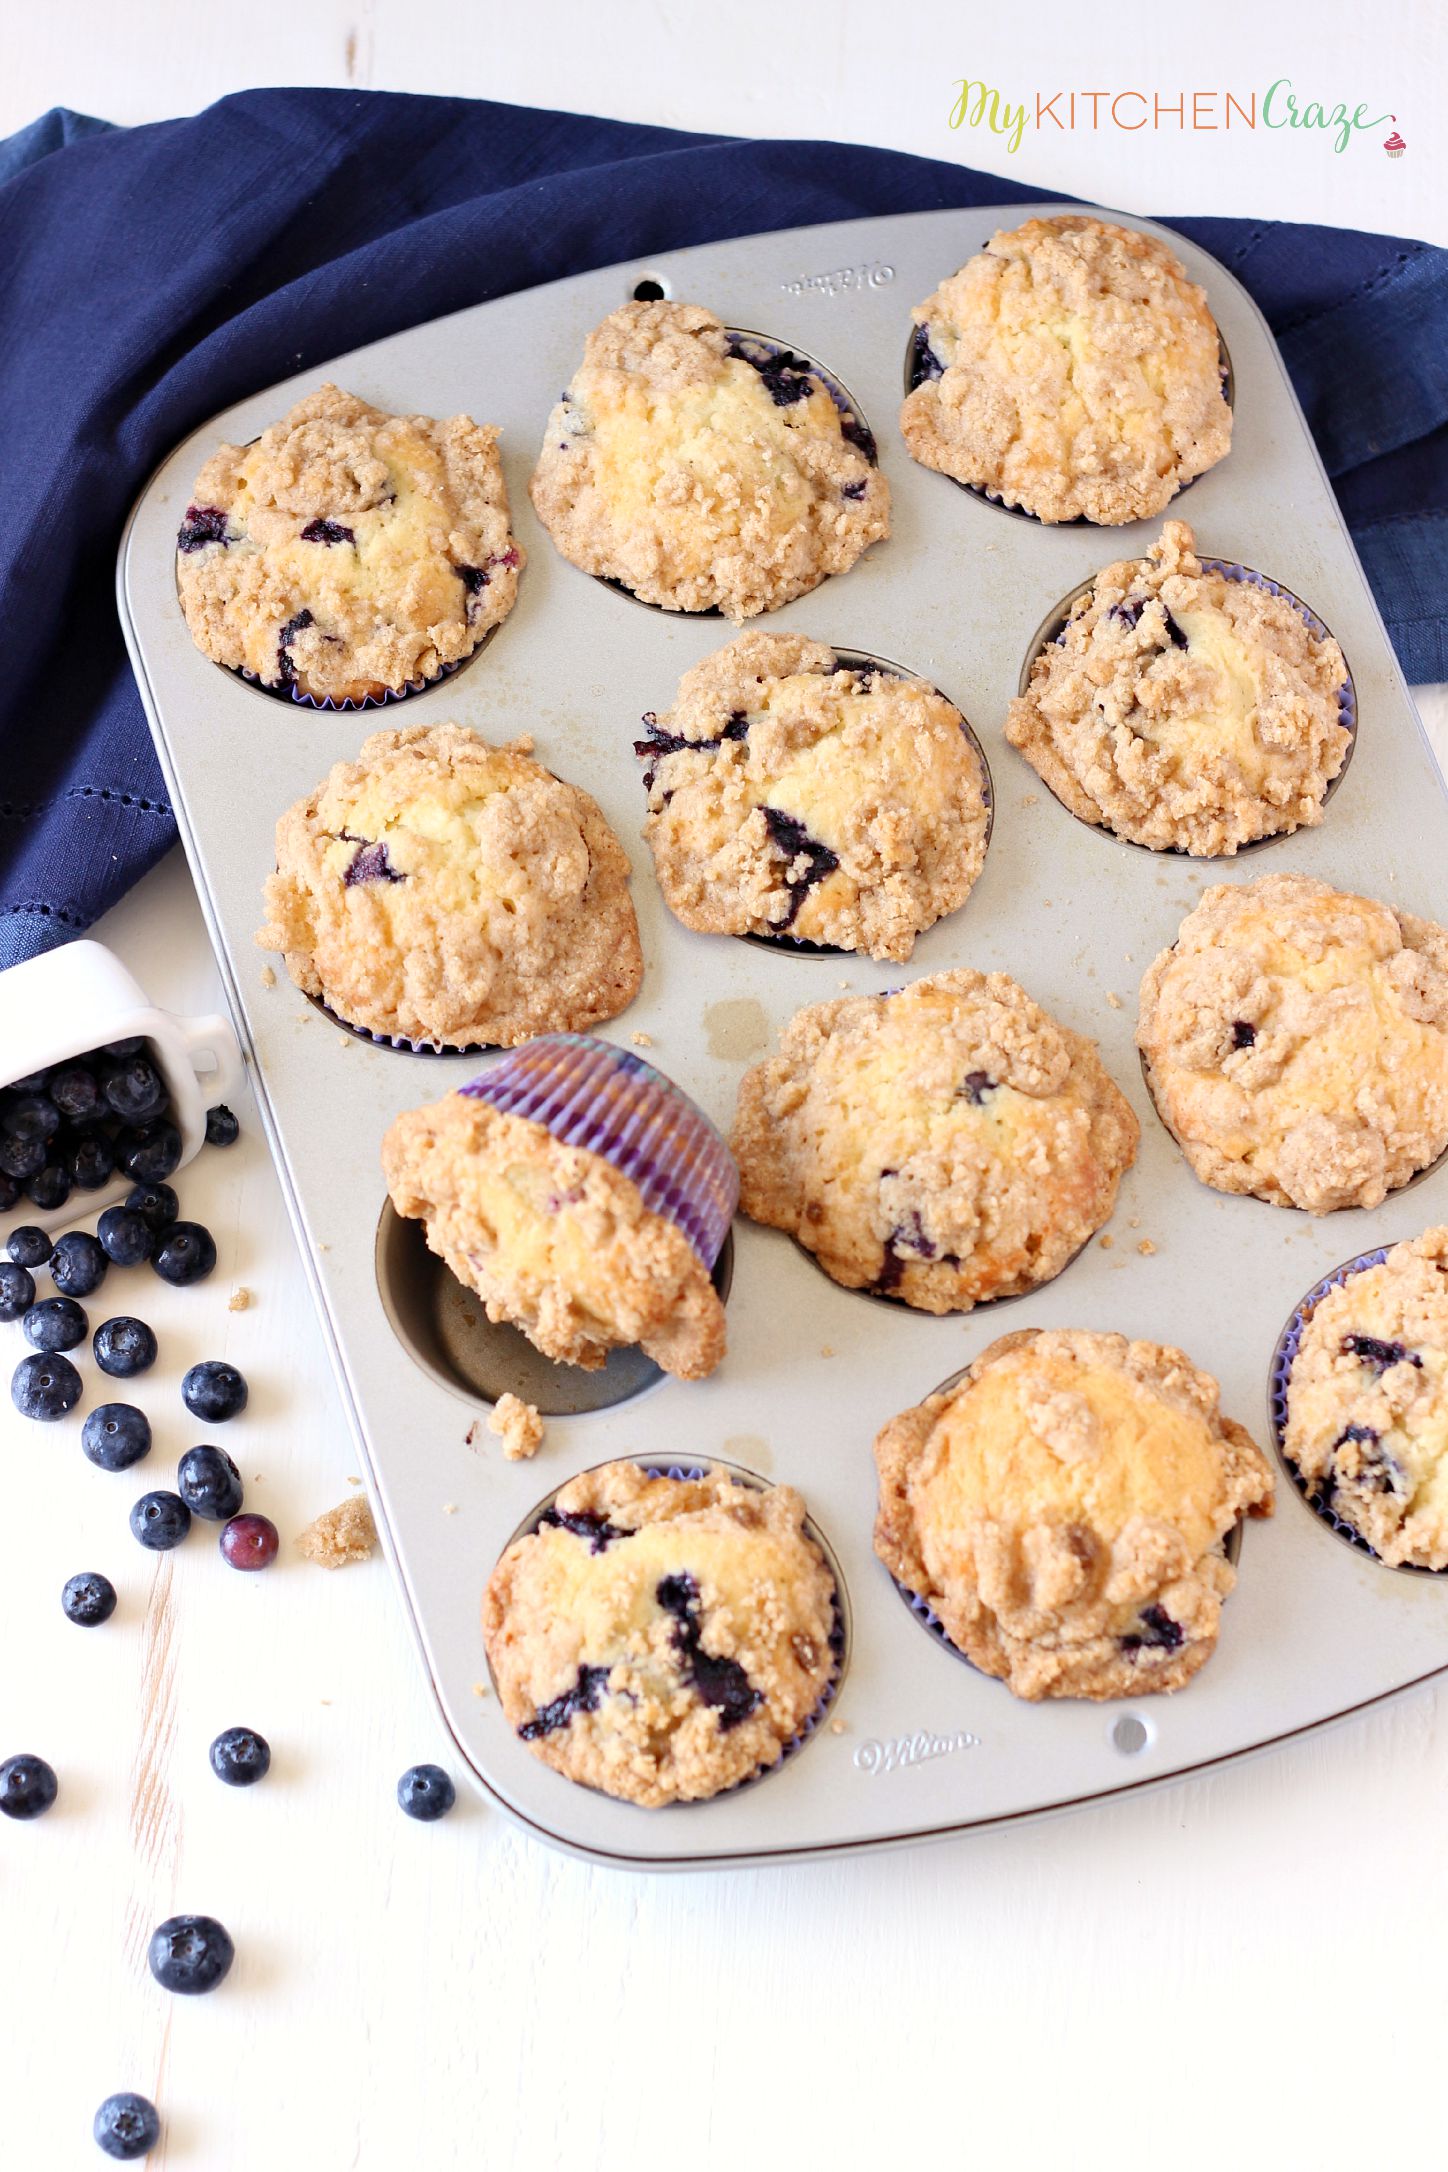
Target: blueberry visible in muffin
704	471
662	1638
348	553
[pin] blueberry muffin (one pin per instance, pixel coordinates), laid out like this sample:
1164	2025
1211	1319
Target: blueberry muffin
348	554
1071	369
1063	1512
1296	1042
583	1246
441	889
945	1144
662	1638
1184	710
702	470
792	794
1367	1403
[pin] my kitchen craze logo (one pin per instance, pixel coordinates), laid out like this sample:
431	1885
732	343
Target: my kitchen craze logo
980	105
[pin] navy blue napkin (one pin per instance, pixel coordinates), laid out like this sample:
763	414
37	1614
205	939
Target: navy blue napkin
153	275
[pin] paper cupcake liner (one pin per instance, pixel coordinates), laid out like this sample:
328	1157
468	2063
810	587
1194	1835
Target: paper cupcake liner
400	1041
371	701
1283	1358
838	1640
590	1094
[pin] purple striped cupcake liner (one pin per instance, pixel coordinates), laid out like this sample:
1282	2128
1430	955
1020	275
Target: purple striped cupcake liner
1279	1390
839	1634
590	1094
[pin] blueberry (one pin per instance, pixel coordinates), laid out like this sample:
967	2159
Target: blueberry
584	1696
49	1188
126	2127
286	669
89	1599
190	1954
209	1484
249	1542
33	1116
370	863
126	1237
120	1050
1379	1354
213	1392
22	1158
1158	1632
78	1265
426	1793
1243	1034
156	1204
241	1757
149	1152
76	1092
187	1253
29	1246
90	1161
45	1387
28	1787
791	838
116	1435
9	1191
124	1347
160	1521
32	1083
721	1683
134	1090
56	1323
17	1290
222	1128
327	531
203	524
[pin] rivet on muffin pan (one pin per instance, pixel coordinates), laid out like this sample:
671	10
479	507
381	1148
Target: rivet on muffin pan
921	364
841	1636
1053	625
443	1328
760	343
796	946
1278	1383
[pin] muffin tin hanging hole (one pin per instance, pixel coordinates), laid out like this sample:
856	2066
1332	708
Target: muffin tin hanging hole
1279	1382
650	287
1130	1734
796	946
748	345
841	1636
1053	625
921	365
445	1329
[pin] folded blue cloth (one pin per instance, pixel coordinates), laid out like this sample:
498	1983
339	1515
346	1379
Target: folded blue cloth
154	275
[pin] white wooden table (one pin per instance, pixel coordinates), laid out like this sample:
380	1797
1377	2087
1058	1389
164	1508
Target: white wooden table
1246	1965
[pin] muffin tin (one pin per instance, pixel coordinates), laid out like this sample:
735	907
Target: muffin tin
926	1745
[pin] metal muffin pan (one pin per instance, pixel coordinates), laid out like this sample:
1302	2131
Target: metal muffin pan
927	1746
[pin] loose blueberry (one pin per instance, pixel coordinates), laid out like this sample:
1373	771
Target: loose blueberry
210	1484
56	1323
222	1128
241	1757
249	1542
28	1787
156	1204
160	1521
116	1435
76	1092
203	524
29	1246
22	1158
45	1387
124	1347
17	1290
426	1793
327	531
9	1191
89	1599
90	1161
134	1090
33	1116
214	1391
127	2127
149	1152
126	1237
78	1264
186	1253
190	1954
49	1188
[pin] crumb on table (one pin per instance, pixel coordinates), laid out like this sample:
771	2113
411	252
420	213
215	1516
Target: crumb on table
239	1299
1146	1247
340	1535
268	977
642	1040
518	1426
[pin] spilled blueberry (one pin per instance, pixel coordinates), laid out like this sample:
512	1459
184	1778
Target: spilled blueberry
425	1792
127	2127
125	1236
240	1757
28	1787
124	1347
190	1954
160	1521
156	1204
78	1265
115	1435
45	1387
88	1599
29	1246
17	1290
149	1152
210	1484
56	1323
222	1128
214	1391
249	1542
186	1254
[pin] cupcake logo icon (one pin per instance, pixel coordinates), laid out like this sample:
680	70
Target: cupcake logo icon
1395	146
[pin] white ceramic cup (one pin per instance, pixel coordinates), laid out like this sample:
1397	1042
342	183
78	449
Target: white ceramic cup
79	998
